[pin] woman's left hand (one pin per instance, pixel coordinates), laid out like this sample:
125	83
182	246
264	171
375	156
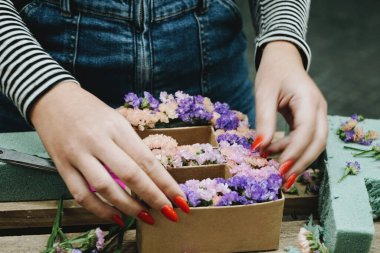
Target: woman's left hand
282	85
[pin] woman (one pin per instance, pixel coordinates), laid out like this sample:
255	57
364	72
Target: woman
112	47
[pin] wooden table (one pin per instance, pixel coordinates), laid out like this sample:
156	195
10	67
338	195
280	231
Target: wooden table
36	243
20	218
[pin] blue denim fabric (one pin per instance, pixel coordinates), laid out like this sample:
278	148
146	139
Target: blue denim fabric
116	46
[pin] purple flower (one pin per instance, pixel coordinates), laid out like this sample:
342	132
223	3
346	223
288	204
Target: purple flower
228	119
149	102
349	136
132	100
234	139
76	251
357	117
354	167
365	142
274	182
191	108
229	199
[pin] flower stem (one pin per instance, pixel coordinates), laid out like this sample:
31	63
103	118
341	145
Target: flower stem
341	179
362	153
352	148
57	224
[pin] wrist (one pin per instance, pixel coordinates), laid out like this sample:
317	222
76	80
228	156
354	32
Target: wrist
282	52
59	92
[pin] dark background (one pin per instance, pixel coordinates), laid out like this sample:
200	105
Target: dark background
344	36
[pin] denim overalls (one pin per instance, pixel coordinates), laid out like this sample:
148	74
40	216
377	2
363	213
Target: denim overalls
116	46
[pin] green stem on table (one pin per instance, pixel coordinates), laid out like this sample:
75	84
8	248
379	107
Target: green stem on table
352	148
341	179
362	153
57	224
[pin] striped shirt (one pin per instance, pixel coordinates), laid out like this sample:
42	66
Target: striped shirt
27	71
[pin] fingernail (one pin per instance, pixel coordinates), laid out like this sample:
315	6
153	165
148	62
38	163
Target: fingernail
257	142
265	154
118	220
182	203
290	181
285	167
169	213
146	217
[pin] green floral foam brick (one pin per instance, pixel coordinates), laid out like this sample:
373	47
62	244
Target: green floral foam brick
347	209
23	184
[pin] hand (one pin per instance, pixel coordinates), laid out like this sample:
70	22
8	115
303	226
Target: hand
283	85
81	133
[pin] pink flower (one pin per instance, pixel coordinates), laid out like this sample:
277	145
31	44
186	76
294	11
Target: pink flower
303	241
209	106
100	238
160	141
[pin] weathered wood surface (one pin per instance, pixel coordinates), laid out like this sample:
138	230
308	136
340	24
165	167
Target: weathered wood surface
41	213
35	243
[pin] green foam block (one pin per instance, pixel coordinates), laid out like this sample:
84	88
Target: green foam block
24	184
347	208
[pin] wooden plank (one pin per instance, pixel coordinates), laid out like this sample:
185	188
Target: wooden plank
41	213
36	243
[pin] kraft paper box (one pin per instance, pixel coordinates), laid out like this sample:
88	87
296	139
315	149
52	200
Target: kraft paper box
214	230
185	135
181	175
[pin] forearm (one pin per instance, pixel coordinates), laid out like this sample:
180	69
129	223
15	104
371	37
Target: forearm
26	70
284	20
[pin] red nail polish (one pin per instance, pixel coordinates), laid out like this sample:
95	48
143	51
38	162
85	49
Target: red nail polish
285	167
265	154
257	142
146	217
118	220
182	203
169	213
290	181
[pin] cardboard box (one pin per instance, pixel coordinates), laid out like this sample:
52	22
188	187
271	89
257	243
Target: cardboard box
214	230
181	175
185	135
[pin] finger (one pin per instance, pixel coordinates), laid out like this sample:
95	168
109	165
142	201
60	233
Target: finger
144	158
303	133
133	176
84	197
279	146
315	148
266	113
98	177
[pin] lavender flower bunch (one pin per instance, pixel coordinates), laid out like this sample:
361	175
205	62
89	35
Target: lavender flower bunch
131	100
228	120
349	131
191	109
196	154
237	190
312	179
234	139
352	168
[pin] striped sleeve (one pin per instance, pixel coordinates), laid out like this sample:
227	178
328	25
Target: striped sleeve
281	20
26	70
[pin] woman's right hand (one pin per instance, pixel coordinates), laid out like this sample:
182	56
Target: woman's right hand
81	133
